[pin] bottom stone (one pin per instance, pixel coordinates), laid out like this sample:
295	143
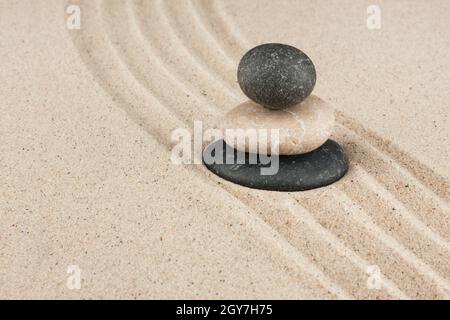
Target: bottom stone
315	169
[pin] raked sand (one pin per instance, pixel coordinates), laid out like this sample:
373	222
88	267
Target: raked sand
86	177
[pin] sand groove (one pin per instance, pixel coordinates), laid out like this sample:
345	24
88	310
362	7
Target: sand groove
208	51
304	215
278	212
299	227
159	75
91	48
189	74
419	172
361	217
176	56
416	239
398	183
376	141
98	67
356	230
435	182
440	222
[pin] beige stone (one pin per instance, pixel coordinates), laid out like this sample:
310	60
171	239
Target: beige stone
302	128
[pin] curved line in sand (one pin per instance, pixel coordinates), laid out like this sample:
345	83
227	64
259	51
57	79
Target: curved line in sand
194	60
109	29
164	7
433	181
415	222
191	52
140	76
101	72
228	27
100	75
340	114
266	216
368	244
423	173
370	155
180	14
378	188
192	8
330	284
411	232
305	216
363	219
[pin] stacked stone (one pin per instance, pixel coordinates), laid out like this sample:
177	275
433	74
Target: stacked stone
279	79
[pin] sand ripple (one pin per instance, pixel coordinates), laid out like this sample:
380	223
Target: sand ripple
391	210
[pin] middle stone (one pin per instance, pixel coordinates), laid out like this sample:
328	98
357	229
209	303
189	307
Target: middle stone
302	128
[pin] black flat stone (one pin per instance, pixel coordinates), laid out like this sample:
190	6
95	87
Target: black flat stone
315	169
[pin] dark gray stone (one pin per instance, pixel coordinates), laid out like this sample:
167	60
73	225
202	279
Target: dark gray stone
276	75
315	169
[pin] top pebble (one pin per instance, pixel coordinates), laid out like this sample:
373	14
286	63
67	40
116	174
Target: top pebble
276	75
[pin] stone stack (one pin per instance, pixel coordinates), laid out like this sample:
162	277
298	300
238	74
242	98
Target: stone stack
278	79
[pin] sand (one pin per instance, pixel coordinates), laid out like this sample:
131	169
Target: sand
86	178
